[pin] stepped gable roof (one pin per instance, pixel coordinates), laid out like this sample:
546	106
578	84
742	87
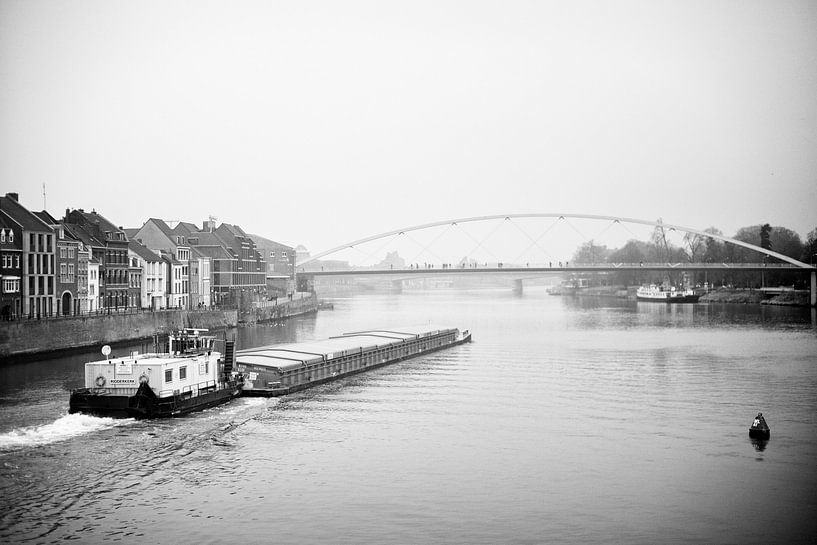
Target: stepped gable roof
143	251
24	217
235	230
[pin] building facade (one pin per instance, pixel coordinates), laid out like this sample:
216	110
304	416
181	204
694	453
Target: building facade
109	245
11	268
38	290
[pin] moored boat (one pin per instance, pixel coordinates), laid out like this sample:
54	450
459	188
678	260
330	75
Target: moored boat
282	369
664	294
190	376
759	429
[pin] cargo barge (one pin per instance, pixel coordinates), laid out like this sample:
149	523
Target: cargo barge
189	376
277	370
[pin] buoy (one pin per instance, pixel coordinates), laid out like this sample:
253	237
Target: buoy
759	429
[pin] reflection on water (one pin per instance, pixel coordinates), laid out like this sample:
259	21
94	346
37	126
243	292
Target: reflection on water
566	420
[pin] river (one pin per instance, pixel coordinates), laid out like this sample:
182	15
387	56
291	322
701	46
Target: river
565	421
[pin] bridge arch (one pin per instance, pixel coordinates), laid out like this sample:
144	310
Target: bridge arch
617	219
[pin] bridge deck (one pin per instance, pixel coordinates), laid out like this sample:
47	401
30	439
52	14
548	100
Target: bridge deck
605	267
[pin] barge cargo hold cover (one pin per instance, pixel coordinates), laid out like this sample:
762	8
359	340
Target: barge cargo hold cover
285	368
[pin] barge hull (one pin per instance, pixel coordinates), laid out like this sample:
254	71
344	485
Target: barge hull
277	392
140	406
280	370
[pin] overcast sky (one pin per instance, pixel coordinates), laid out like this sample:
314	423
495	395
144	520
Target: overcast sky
318	123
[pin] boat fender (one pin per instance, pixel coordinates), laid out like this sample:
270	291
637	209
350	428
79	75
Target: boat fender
100	381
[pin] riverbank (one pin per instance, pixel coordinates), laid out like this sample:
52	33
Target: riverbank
792	298
28	338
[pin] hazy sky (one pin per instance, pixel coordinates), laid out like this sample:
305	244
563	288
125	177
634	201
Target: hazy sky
323	122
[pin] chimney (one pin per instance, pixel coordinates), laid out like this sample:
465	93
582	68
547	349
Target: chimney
13	196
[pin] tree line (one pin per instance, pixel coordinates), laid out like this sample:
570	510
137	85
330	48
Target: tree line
706	249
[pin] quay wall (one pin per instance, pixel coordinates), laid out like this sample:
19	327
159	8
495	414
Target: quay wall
27	337
24	338
279	310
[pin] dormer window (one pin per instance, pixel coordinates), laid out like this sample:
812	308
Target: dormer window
2	235
11	235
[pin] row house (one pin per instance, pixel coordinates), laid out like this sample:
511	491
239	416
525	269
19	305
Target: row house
109	247
152	276
11	268
69	280
34	276
174	250
237	265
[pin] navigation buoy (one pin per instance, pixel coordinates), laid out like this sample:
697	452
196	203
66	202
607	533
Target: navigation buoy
759	429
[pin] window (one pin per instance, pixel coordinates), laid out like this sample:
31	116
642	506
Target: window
63	252
169	375
71	252
283	254
272	254
2	235
182	373
11	236
11	285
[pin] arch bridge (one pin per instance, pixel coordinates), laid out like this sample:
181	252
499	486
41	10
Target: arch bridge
786	263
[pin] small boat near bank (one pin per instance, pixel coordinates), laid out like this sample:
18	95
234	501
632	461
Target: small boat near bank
190	376
277	370
666	294
759	428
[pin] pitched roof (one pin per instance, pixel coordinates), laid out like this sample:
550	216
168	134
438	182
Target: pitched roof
185	228
19	213
163	227
143	251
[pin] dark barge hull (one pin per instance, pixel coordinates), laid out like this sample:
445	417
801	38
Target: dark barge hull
683	299
145	404
277	392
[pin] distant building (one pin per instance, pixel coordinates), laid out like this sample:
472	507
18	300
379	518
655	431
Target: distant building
280	258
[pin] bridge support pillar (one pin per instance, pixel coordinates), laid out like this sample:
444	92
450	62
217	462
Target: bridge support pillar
305	282
518	286
813	291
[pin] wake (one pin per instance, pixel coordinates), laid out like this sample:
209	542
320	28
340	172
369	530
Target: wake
65	427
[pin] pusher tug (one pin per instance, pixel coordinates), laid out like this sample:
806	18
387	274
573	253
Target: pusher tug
190	376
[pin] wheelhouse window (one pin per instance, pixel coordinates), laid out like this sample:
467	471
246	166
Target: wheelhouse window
182	373
169	375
